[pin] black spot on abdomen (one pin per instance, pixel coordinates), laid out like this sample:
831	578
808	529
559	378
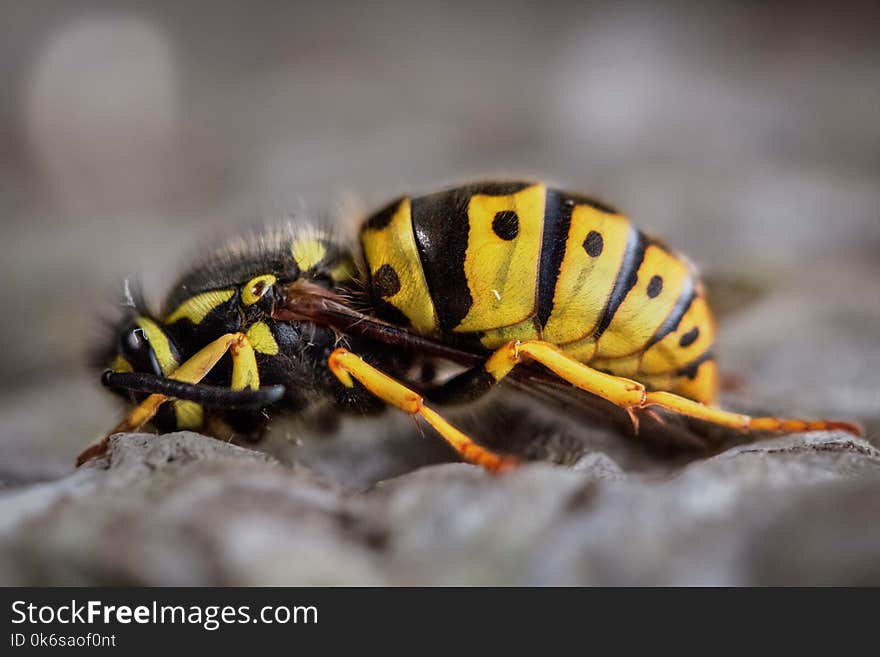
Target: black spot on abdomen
386	282
593	244
655	286
506	225
690	337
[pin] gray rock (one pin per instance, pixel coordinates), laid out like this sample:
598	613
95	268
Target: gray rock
182	509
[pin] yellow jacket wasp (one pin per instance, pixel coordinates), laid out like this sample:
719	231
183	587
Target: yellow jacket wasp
505	279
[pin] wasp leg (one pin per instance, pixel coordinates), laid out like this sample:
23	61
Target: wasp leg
346	365
684	406
244	374
623	392
477	381
632	395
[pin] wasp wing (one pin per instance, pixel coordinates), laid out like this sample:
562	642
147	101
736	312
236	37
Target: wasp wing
656	428
310	302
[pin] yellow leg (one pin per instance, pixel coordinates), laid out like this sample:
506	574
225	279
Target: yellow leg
192	371
684	406
245	373
346	365
632	395
616	389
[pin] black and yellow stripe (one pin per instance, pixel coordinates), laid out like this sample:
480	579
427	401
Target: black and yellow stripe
517	260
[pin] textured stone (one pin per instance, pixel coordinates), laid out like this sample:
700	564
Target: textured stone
183	509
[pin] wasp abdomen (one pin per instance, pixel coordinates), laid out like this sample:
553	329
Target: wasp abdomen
519	260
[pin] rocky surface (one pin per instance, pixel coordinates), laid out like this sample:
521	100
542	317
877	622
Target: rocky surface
746	136
182	509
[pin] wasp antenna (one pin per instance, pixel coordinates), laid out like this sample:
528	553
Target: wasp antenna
201	393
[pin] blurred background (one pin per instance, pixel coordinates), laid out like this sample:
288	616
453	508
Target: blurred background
746	134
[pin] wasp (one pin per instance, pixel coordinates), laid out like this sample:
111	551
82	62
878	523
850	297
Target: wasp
507	280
